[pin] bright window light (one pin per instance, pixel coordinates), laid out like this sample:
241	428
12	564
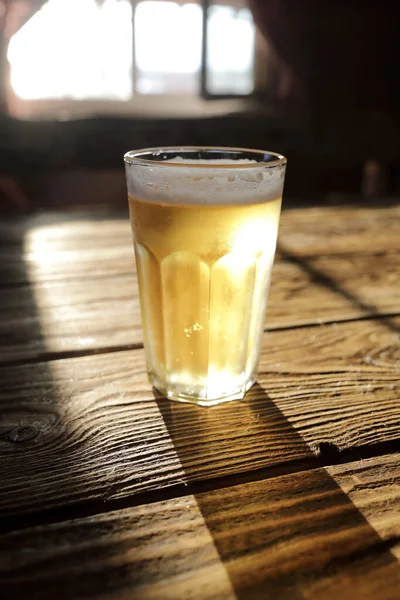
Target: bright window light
230	51
83	49
168	47
74	49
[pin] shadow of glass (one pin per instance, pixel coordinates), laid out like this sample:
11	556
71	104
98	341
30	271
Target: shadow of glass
282	526
279	522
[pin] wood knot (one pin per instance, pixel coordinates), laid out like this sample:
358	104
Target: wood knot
24	433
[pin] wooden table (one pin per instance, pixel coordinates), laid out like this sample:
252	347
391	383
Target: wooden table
107	491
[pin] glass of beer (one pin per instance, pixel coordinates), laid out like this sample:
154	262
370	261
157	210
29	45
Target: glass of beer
204	223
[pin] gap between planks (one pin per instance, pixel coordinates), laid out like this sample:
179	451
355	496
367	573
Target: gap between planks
324	534
324	457
66	354
370	355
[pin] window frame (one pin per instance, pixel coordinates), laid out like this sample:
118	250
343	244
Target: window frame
205	93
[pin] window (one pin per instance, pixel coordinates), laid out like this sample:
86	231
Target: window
230	39
74	49
118	50
168	39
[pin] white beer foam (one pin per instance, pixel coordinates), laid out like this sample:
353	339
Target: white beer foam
201	184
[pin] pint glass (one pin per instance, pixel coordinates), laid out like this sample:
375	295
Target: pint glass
204	223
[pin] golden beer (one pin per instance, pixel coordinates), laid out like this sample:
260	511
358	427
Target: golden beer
204	256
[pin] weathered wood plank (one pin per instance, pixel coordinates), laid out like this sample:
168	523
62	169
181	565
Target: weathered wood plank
65	265
96	433
295	536
55	247
66	240
97	225
82	290
374	488
333	288
104	225
340	230
77	316
94	310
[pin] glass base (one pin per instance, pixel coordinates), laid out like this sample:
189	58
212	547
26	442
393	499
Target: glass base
197	394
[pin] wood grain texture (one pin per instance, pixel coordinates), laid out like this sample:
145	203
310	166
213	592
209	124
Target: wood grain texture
290	537
340	230
70	287
99	225
247	513
333	288
63	265
78	316
96	305
374	488
100	434
69	241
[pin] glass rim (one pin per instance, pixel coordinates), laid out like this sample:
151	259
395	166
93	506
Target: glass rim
138	157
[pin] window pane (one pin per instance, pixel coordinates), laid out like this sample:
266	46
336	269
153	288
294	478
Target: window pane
74	49
230	50
167	47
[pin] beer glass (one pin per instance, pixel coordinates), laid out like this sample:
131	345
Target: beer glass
204	223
